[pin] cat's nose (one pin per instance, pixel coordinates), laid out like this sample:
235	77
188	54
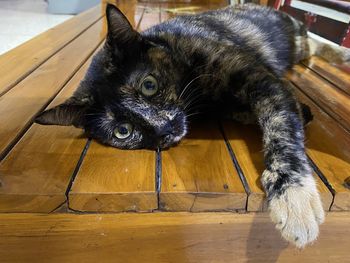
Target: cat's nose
165	130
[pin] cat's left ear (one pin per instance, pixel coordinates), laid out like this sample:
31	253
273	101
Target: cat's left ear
121	36
71	112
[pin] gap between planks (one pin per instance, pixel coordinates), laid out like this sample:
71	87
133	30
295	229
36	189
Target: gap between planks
26	119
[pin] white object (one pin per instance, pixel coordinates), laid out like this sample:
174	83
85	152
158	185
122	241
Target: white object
70	6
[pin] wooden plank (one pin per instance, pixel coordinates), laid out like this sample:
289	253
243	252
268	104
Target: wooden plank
334	101
21	103
36	173
19	62
329	147
164	237
334	75
199	175
246	143
113	180
150	17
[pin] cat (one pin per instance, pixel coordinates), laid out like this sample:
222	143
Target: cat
141	88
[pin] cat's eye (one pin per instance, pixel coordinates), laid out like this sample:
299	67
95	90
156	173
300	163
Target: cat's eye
123	131
149	86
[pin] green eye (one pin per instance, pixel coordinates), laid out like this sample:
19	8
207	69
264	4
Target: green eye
149	86
123	131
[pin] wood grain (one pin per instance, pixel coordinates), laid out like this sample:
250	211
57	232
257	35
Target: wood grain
113	180
332	100
199	175
164	237
246	143
334	75
23	102
329	147
19	62
34	176
151	16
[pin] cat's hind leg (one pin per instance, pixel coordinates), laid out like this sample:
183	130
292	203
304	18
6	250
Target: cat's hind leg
310	45
328	51
307	44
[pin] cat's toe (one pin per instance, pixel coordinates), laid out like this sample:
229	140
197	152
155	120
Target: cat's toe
297	213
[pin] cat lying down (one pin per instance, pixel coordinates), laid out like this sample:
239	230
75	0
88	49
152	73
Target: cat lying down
141	88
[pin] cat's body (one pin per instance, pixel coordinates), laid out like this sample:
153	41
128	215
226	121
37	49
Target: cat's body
140	89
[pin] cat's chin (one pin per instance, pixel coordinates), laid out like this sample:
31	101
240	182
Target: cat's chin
170	142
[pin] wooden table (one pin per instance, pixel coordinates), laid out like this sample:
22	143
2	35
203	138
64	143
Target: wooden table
56	173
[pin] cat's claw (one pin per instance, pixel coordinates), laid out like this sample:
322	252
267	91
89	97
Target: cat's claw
298	213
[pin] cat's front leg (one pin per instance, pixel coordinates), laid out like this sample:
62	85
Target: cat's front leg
293	200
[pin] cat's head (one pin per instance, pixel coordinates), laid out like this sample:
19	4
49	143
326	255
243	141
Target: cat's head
129	97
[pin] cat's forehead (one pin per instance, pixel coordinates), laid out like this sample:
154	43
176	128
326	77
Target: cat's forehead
160	57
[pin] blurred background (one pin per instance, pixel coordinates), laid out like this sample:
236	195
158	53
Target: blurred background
21	20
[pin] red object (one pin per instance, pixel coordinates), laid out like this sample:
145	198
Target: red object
334	30
277	4
346	39
310	18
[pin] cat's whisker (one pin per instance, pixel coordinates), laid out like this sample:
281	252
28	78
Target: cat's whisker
194	79
194	99
193	114
192	92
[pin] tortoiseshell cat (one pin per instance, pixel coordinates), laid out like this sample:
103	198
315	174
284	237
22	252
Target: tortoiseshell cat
140	87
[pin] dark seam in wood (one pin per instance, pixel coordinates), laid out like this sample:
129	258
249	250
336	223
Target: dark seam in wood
27	126
76	170
325	78
58	207
160	13
26	74
323	179
236	165
141	17
194	201
158	176
323	109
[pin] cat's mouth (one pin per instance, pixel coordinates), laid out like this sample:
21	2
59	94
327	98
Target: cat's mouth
177	133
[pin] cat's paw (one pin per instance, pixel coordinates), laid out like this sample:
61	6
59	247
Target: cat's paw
298	212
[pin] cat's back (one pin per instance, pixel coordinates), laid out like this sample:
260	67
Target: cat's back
261	31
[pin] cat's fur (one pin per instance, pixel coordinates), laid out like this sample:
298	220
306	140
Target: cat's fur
234	57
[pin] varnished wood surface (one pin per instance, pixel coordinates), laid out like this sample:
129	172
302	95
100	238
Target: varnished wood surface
334	101
246	142
328	146
21	103
199	175
34	176
164	237
334	75
112	180
22	60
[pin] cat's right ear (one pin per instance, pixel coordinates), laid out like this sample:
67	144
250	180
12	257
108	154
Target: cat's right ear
71	112
121	36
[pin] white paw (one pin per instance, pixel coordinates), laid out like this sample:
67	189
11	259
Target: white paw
298	212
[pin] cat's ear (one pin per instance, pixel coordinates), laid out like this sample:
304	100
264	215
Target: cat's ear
121	35
71	112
